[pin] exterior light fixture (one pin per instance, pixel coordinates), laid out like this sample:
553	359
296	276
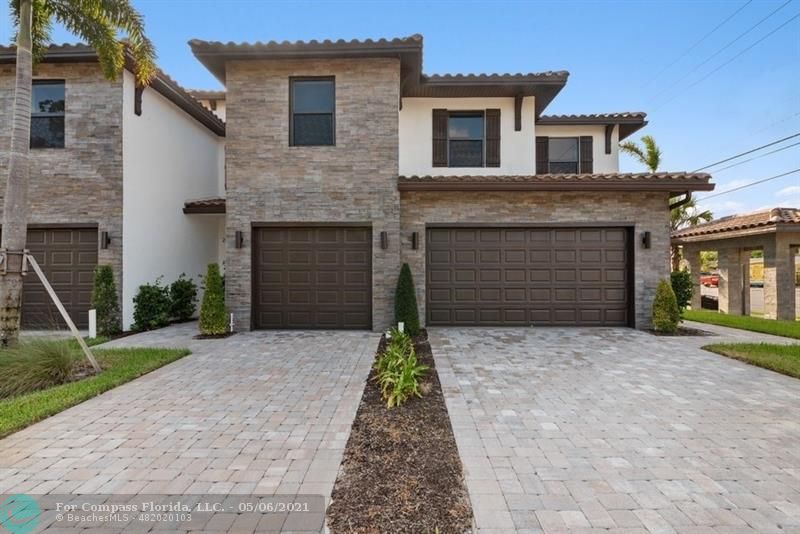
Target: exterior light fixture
239	239
414	240
646	240
105	240
384	240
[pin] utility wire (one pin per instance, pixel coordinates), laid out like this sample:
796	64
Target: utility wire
725	47
748	160
731	60
751	184
696	44
777	122
747	152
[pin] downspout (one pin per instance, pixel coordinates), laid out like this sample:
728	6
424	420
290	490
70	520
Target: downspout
681	202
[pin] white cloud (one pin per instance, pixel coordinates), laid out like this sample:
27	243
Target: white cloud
792	190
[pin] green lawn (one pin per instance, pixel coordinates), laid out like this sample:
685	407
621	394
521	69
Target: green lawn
119	366
784	359
743	322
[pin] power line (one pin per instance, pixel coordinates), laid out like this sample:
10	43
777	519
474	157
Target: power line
747	152
777	122
731	60
696	44
751	184
725	47
748	160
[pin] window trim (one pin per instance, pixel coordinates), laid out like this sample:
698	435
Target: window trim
292	80
577	153
467	113
41	114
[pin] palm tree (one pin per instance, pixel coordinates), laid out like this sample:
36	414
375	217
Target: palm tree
98	22
685	215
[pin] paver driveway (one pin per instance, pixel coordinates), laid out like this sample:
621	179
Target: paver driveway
568	429
258	412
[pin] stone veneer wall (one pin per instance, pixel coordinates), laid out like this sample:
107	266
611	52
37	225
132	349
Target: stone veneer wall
354	181
648	212
81	183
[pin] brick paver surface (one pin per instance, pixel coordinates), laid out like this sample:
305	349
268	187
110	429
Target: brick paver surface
564	430
264	412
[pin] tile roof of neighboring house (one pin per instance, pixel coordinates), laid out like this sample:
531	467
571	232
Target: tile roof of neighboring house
206	94
162	83
205	205
628	121
414	83
746	221
675	182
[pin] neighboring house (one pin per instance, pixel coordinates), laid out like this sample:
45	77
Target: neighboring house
111	167
344	160
212	100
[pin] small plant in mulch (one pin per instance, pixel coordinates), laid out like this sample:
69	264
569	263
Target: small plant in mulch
39	364
398	372
106	301
401	471
213	317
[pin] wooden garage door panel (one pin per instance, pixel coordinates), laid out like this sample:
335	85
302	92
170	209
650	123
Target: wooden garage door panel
312	277
68	257
527	276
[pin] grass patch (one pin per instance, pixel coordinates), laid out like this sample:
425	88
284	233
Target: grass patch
743	322
784	359
119	366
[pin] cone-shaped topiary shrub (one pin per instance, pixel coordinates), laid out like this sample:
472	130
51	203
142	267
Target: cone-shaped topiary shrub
213	319
405	302
666	314
682	286
105	301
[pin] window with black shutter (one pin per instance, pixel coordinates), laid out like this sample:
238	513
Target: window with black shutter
47	114
313	105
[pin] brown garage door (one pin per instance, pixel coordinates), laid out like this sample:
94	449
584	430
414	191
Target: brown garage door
68	257
528	276
312	277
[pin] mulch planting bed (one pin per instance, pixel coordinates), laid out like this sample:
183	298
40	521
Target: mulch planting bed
401	471
683	331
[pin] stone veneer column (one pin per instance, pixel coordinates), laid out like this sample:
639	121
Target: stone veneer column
730	281
692	256
779	282
744	265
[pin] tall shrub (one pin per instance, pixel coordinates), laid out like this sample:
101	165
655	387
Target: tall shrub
213	320
151	306
666	314
405	302
183	296
682	286
105	301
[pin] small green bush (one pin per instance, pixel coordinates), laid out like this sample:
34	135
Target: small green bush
35	365
213	318
397	370
405	302
183	296
682	286
666	314
151	306
105	301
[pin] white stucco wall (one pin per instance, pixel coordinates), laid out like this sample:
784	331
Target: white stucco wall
168	157
416	132
602	162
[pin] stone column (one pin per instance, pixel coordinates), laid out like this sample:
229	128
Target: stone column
744	259
730	281
779	297
692	256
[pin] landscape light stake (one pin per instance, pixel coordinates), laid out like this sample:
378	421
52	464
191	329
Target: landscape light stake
27	257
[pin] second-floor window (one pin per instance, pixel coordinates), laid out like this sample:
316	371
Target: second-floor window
563	155
47	114
313	110
465	139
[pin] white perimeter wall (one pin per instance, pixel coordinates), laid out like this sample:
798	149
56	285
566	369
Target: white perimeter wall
416	136
602	162
168	157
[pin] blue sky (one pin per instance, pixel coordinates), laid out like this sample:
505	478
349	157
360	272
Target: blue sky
617	53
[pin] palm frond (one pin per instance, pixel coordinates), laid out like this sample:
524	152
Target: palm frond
125	18
632	149
653	153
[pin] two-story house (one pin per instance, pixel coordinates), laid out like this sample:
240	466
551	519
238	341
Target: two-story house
343	161
111	166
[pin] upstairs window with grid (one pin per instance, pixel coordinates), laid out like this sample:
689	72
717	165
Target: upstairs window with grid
313	109
47	114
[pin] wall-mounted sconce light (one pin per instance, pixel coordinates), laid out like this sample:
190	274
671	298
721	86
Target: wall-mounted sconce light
646	240
384	240
239	239
105	240
414	240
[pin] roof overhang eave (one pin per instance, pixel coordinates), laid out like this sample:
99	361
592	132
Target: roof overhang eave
672	188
